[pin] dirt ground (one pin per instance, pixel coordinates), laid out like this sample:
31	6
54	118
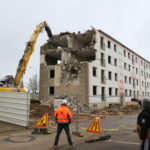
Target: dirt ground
38	110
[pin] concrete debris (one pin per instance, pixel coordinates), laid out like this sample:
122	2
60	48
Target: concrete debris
74	102
71	49
117	110
37	111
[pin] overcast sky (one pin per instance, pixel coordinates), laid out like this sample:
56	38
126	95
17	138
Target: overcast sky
128	21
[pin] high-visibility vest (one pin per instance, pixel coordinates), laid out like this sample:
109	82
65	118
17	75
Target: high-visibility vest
63	114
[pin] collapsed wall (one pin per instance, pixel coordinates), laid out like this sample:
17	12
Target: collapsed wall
64	66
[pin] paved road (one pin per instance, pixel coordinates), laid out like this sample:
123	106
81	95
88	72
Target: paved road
7	127
123	139
107	146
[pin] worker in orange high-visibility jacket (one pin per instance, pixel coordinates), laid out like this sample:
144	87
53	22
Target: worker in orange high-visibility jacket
63	118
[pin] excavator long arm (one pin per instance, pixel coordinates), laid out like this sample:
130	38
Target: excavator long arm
28	52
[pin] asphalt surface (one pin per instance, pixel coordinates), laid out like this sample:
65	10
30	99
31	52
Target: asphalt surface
107	146
122	140
120	129
7	127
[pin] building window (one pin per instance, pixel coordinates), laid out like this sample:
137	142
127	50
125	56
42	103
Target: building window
137	93
103	79
116	91
102	43
130	92
110	91
125	79
133	62
109	44
51	90
103	93
137	81
125	66
94	71
129	67
103	59
136	59
134	94
109	75
129	80
143	93
115	47
94	90
126	92
116	77
136	70
52	73
109	59
124	52
115	62
142	83
128	55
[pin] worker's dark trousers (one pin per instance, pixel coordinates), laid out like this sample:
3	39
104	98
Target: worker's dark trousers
146	145
59	129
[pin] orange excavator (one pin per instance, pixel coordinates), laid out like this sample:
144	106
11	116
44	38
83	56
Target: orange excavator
14	84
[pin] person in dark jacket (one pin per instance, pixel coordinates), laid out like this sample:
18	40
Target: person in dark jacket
143	125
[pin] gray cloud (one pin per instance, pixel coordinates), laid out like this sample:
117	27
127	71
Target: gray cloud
126	20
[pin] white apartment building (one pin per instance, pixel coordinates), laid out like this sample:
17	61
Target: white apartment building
114	75
118	73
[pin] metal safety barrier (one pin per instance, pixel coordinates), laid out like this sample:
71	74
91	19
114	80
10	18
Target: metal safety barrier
14	108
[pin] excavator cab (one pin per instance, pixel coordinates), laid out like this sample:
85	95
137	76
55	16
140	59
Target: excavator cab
7	81
7	85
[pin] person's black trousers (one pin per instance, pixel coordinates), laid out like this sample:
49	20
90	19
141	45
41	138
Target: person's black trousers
60	127
146	145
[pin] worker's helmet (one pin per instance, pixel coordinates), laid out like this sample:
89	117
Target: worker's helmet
64	102
146	103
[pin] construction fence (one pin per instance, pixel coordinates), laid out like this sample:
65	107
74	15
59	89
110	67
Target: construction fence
14	108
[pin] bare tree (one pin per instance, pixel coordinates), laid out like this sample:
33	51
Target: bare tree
33	85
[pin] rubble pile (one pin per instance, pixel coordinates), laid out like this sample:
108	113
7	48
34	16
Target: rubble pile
37	111
74	102
117	110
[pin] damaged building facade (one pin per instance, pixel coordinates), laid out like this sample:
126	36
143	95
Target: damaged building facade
92	67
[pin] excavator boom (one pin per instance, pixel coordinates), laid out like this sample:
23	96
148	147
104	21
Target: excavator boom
28	52
8	83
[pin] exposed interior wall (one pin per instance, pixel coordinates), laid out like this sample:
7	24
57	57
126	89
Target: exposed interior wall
68	54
